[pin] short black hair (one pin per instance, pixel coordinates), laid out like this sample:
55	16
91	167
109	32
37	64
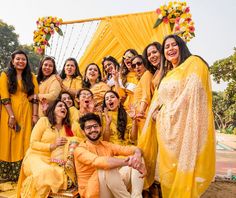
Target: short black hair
87	117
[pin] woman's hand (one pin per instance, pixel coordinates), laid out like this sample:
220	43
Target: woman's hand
107	117
60	141
35	119
12	122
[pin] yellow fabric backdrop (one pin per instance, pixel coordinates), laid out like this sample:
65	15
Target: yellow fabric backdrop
117	33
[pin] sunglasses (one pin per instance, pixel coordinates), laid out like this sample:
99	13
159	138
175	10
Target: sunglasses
138	64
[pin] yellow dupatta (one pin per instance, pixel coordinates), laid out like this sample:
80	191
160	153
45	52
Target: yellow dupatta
184	132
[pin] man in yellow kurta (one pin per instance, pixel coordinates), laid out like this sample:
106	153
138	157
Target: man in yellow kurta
96	166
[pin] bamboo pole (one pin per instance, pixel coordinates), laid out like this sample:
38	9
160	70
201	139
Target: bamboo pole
100	18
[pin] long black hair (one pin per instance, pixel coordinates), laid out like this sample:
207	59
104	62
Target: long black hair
86	83
77	72
151	67
121	116
27	78
40	76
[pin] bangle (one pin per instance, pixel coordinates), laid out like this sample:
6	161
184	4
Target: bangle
35	115
12	116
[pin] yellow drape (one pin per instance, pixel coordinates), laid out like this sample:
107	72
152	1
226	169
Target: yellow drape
117	33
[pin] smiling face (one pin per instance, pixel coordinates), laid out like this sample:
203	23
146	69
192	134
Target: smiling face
171	51
67	99
69	68
138	66
19	62
92	130
153	55
92	73
111	101
60	110
47	68
127	60
109	67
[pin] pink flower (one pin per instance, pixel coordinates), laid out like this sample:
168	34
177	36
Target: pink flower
177	28
187	10
177	20
188	20
165	20
39	50
191	29
158	11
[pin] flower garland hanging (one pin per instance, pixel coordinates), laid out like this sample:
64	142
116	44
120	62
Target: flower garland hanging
46	26
177	14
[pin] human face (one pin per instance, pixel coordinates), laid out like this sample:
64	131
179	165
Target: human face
85	98
171	51
92	73
109	66
112	102
92	130
69	68
138	66
153	55
60	110
127	60
47	68
19	62
67	99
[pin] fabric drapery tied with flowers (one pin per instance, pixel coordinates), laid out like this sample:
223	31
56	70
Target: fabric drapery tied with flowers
177	14
46	26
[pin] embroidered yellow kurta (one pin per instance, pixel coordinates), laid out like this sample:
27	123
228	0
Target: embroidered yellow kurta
38	174
73	83
13	145
49	90
184	132
91	157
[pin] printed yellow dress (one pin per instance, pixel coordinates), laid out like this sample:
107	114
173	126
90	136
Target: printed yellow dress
44	170
13	145
184	132
49	90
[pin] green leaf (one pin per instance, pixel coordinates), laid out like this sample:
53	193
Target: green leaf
158	22
172	26
193	34
60	32
48	36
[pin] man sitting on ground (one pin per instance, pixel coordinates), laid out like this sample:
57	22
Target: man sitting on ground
97	167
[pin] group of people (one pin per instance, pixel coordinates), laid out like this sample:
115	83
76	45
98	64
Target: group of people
111	133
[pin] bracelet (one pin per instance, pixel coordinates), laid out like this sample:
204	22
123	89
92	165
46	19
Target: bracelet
12	116
35	115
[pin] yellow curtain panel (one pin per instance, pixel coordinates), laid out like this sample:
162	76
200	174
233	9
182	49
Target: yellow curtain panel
117	33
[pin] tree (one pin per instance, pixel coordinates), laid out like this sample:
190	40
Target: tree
34	58
8	43
224	104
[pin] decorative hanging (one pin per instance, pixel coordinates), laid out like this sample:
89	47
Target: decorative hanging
177	14
46	26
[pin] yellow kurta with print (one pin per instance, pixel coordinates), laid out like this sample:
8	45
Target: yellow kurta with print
115	136
49	90
38	174
13	145
73	83
184	131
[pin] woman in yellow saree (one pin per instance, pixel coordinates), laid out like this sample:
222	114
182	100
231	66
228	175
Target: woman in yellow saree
182	109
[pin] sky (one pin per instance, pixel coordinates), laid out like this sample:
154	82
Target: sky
215	20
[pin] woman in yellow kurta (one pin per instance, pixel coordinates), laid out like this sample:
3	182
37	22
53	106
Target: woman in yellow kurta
48	164
71	78
49	86
128	77
18	114
93	81
143	91
184	125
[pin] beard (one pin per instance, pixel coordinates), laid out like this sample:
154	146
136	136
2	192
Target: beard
94	138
